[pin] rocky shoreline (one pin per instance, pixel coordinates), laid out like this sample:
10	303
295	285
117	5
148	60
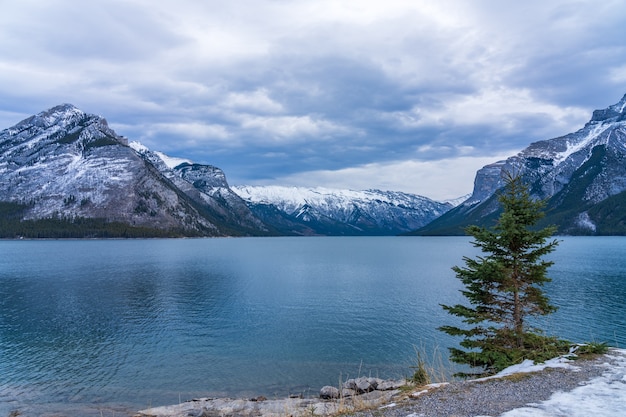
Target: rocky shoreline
362	398
355	394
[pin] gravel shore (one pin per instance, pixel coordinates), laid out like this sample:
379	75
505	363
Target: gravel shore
486	397
493	397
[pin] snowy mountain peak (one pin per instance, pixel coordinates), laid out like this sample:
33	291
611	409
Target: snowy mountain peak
60	115
63	125
613	113
336	211
65	164
293	197
457	201
559	157
581	174
596	132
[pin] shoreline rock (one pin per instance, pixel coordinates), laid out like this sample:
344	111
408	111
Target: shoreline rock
355	394
359	386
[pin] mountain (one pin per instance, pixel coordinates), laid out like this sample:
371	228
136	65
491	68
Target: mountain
65	173
207	186
582	177
322	211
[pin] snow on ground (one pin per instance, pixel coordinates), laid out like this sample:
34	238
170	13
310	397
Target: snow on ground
603	396
530	366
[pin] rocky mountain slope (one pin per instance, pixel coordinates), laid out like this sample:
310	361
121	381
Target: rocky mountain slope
62	169
67	165
207	186
322	211
582	176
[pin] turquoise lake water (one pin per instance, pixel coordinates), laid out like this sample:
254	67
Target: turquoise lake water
107	327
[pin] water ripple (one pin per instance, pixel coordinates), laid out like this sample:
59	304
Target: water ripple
128	324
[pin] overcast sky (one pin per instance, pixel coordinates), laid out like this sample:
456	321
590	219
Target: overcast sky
410	96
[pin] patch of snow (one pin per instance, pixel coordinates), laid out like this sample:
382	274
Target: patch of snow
602	396
585	222
530	366
573	147
429	387
171	161
138	147
417	394
457	201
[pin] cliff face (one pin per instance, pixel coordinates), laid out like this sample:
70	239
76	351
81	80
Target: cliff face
581	175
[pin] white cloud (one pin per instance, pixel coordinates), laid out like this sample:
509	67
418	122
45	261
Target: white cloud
499	107
256	101
440	180
618	74
324	82
180	136
194	130
293	128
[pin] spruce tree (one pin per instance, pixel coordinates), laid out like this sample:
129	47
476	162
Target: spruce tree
504	288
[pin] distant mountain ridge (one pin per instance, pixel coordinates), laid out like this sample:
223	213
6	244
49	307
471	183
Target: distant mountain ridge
310	211
582	175
65	169
66	173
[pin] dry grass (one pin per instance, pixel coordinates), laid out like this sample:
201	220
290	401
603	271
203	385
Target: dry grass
429	367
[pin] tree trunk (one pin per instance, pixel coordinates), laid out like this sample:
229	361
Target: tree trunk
518	320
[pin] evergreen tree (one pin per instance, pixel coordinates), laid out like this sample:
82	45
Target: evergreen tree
504	287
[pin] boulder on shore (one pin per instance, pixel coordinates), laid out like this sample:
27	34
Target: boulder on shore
329	393
359	386
332	400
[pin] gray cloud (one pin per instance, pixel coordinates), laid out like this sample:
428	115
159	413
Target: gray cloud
320	91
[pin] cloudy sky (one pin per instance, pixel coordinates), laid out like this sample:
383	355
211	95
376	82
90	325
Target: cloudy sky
405	95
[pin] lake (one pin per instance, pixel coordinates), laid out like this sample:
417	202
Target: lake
107	327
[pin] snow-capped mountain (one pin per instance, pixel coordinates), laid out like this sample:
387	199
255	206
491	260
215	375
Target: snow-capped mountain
310	211
207	186
582	175
458	201
66	164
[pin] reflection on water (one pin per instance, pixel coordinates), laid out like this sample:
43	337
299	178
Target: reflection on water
87	326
